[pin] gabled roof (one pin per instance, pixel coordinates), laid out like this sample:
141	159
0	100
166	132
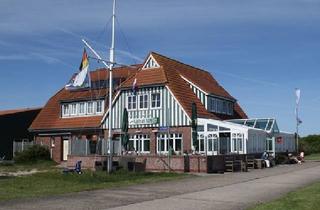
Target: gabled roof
50	117
174	74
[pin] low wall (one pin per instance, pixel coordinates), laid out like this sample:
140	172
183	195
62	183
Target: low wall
88	162
147	162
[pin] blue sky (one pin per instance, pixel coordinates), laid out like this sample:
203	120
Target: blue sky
260	51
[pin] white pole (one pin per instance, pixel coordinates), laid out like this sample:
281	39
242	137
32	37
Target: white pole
112	61
95	53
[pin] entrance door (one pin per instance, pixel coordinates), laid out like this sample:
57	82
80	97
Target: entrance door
65	149
225	144
270	145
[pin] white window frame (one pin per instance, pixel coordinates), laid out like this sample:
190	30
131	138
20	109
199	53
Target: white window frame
64	113
131	102
163	137
156	101
143	101
84	108
73	109
140	137
92	108
101	105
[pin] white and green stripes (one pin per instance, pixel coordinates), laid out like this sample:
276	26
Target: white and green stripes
200	94
169	114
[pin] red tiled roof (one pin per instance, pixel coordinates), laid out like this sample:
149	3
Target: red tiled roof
15	111
180	88
169	73
50	117
146	77
119	72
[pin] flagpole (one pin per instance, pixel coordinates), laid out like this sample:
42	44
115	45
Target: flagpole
297	116
110	88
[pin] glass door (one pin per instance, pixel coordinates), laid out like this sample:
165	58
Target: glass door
213	144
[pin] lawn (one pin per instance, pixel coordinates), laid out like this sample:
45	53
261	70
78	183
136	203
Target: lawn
53	182
307	198
315	156
39	165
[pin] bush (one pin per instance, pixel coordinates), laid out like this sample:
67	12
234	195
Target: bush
32	154
310	144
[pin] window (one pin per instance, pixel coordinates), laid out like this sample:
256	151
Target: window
140	143
224	107
211	127
65	110
132	102
230	108
212	143
155	100
220	106
99	107
73	109
200	128
174	142
143	101
237	140
81	108
90	107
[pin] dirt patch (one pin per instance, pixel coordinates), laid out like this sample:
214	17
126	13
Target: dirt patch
19	173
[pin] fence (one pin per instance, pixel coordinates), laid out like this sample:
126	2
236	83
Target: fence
19	146
87	147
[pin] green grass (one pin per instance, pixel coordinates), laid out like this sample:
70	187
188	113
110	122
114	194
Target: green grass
54	182
315	156
307	198
39	165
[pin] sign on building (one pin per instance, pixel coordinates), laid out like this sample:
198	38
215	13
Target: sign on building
144	121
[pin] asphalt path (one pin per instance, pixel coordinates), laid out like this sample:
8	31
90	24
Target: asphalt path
207	191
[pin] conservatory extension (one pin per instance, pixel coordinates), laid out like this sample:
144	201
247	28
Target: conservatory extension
242	136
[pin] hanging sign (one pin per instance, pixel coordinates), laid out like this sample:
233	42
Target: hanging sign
279	140
144	121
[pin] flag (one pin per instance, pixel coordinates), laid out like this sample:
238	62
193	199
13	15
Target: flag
82	78
134	86
298	93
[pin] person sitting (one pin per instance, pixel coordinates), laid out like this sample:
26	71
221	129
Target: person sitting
301	156
293	159
265	157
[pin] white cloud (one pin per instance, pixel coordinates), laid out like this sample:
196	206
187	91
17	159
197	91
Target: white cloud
16	57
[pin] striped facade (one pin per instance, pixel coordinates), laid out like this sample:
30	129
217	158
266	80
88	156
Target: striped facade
170	112
200	94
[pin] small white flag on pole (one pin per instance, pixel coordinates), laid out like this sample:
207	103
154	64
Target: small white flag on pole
298	93
297	96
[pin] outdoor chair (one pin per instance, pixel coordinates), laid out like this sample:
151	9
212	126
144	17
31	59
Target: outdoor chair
250	161
229	163
76	169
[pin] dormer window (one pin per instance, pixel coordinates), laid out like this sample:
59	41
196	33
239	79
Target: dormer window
65	109
151	63
82	108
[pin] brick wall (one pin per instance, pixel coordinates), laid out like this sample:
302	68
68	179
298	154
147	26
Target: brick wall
54	144
196	164
88	162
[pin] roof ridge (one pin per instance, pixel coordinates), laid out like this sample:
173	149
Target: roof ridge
182	63
117	68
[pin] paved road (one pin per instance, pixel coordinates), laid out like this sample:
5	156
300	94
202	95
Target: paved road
212	191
